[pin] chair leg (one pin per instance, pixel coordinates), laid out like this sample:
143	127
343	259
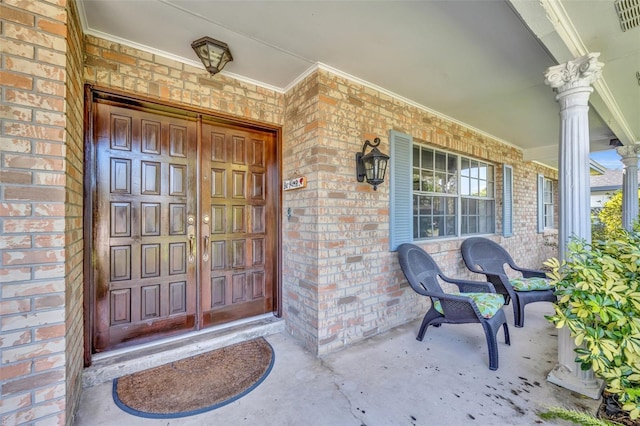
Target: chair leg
492	345
517	311
431	315
520	322
506	334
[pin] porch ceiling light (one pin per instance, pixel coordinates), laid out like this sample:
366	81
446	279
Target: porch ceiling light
214	54
371	166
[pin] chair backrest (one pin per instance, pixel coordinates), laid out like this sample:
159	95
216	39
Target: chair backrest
419	268
486	254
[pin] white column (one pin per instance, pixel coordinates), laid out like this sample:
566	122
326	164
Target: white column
572	83
629	156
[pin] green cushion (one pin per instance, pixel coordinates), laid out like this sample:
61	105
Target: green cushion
488	303
530	284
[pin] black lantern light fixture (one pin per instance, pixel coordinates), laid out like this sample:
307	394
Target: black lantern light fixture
214	54
371	166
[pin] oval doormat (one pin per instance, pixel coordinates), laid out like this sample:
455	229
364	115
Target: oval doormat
197	384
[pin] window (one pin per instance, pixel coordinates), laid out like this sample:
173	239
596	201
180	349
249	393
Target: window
453	195
546	203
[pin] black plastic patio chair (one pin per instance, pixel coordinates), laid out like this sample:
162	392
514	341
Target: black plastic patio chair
484	256
454	308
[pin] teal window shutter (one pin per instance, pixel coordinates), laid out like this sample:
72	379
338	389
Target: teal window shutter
507	201
540	203
400	190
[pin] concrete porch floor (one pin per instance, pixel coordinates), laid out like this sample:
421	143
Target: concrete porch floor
390	379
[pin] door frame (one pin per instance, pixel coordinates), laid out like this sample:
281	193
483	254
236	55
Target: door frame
94	93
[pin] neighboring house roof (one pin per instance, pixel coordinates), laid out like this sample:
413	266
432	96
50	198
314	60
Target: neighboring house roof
596	168
610	180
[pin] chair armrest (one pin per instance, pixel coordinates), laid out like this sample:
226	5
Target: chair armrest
531	273
467	286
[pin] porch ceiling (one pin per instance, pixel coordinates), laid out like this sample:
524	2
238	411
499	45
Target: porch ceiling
478	62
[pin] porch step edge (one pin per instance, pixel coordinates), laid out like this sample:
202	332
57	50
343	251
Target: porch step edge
108	366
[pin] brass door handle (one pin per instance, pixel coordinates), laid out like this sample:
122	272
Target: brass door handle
205	238
191	230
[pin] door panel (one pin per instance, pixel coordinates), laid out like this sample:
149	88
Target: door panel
145	191
237	277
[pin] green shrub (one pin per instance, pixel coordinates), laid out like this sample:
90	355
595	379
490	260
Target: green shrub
608	221
598	289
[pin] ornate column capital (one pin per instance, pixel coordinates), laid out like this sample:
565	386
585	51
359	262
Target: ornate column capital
577	73
629	154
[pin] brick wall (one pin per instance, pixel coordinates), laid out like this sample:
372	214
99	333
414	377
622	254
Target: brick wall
74	256
115	66
37	242
339	227
300	273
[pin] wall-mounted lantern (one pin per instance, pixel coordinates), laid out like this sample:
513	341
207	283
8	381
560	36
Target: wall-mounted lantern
371	166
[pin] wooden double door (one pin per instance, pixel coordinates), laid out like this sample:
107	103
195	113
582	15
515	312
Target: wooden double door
184	224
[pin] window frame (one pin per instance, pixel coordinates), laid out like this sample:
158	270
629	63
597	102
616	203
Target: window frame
470	209
546	215
546	204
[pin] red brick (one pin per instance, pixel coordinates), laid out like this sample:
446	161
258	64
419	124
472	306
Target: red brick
42	349
14	403
16	338
50	119
8	307
16	369
54	27
34	194
9	275
49	362
15	145
18	81
16	15
51	9
29	257
19	177
30	288
46	302
50	88
50	209
46	394
15	242
15	209
34	100
50	332
118	57
49	241
33	381
50	179
33	131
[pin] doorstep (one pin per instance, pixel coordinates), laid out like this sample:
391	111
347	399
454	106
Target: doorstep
113	364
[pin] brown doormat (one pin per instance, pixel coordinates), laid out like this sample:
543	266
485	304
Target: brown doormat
197	384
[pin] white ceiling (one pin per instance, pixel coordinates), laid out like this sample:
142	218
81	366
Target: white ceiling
479	62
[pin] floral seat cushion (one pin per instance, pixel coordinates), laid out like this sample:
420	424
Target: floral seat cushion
488	303
530	284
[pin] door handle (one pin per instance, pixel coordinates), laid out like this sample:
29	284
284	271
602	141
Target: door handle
191	231
205	239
